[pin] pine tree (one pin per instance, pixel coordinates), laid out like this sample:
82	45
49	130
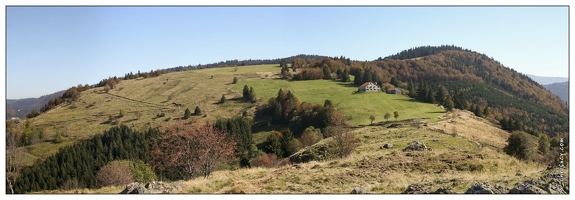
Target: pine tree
448	104
459	101
486	111
359	77
367	76
252	94
503	123
422	91
394	81
277	117
412	90
326	72
286	138
430	98
197	111
441	95
345	76
477	110
187	113
223	99
235	80
246	92
273	145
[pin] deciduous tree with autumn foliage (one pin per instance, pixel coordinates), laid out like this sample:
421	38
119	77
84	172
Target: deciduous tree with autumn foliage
191	149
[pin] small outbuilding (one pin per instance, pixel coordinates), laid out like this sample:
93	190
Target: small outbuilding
393	91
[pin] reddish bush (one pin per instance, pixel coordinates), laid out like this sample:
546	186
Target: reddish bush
270	160
114	173
193	150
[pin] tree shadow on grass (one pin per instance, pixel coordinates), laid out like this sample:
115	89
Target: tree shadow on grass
408	100
347	85
436	112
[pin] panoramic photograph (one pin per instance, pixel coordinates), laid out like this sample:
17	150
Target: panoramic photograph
287	100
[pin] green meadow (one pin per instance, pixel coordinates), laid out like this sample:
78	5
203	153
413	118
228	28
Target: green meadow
357	107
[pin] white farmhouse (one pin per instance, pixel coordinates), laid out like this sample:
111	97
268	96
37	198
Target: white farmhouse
369	87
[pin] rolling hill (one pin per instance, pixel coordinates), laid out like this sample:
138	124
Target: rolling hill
466	148
20	107
465	68
144	99
560	89
544	80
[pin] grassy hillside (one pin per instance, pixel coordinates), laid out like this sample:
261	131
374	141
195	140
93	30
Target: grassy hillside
144	99
356	106
456	161
466	149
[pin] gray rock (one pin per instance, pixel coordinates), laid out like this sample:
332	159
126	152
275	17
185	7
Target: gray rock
418	188
388	146
358	190
154	187
135	188
526	188
486	188
556	187
316	152
415	146
444	190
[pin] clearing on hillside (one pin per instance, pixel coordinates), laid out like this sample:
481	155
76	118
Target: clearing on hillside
357	107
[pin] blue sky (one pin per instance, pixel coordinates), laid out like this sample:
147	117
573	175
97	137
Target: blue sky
53	48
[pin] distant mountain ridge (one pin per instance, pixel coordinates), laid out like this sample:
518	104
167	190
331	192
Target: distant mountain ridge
21	107
544	80
560	89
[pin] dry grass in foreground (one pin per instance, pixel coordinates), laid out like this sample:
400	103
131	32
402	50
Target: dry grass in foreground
455	161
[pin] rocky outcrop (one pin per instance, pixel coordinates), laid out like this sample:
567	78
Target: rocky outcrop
135	188
444	190
486	188
418	188
387	146
546	184
154	187
359	190
556	187
323	150
526	188
416	146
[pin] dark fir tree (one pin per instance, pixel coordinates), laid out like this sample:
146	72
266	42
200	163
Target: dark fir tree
197	111
486	111
412	90
326	72
252	94
273	145
223	99
448	104
286	138
246	92
441	95
345	76
187	113
394	81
